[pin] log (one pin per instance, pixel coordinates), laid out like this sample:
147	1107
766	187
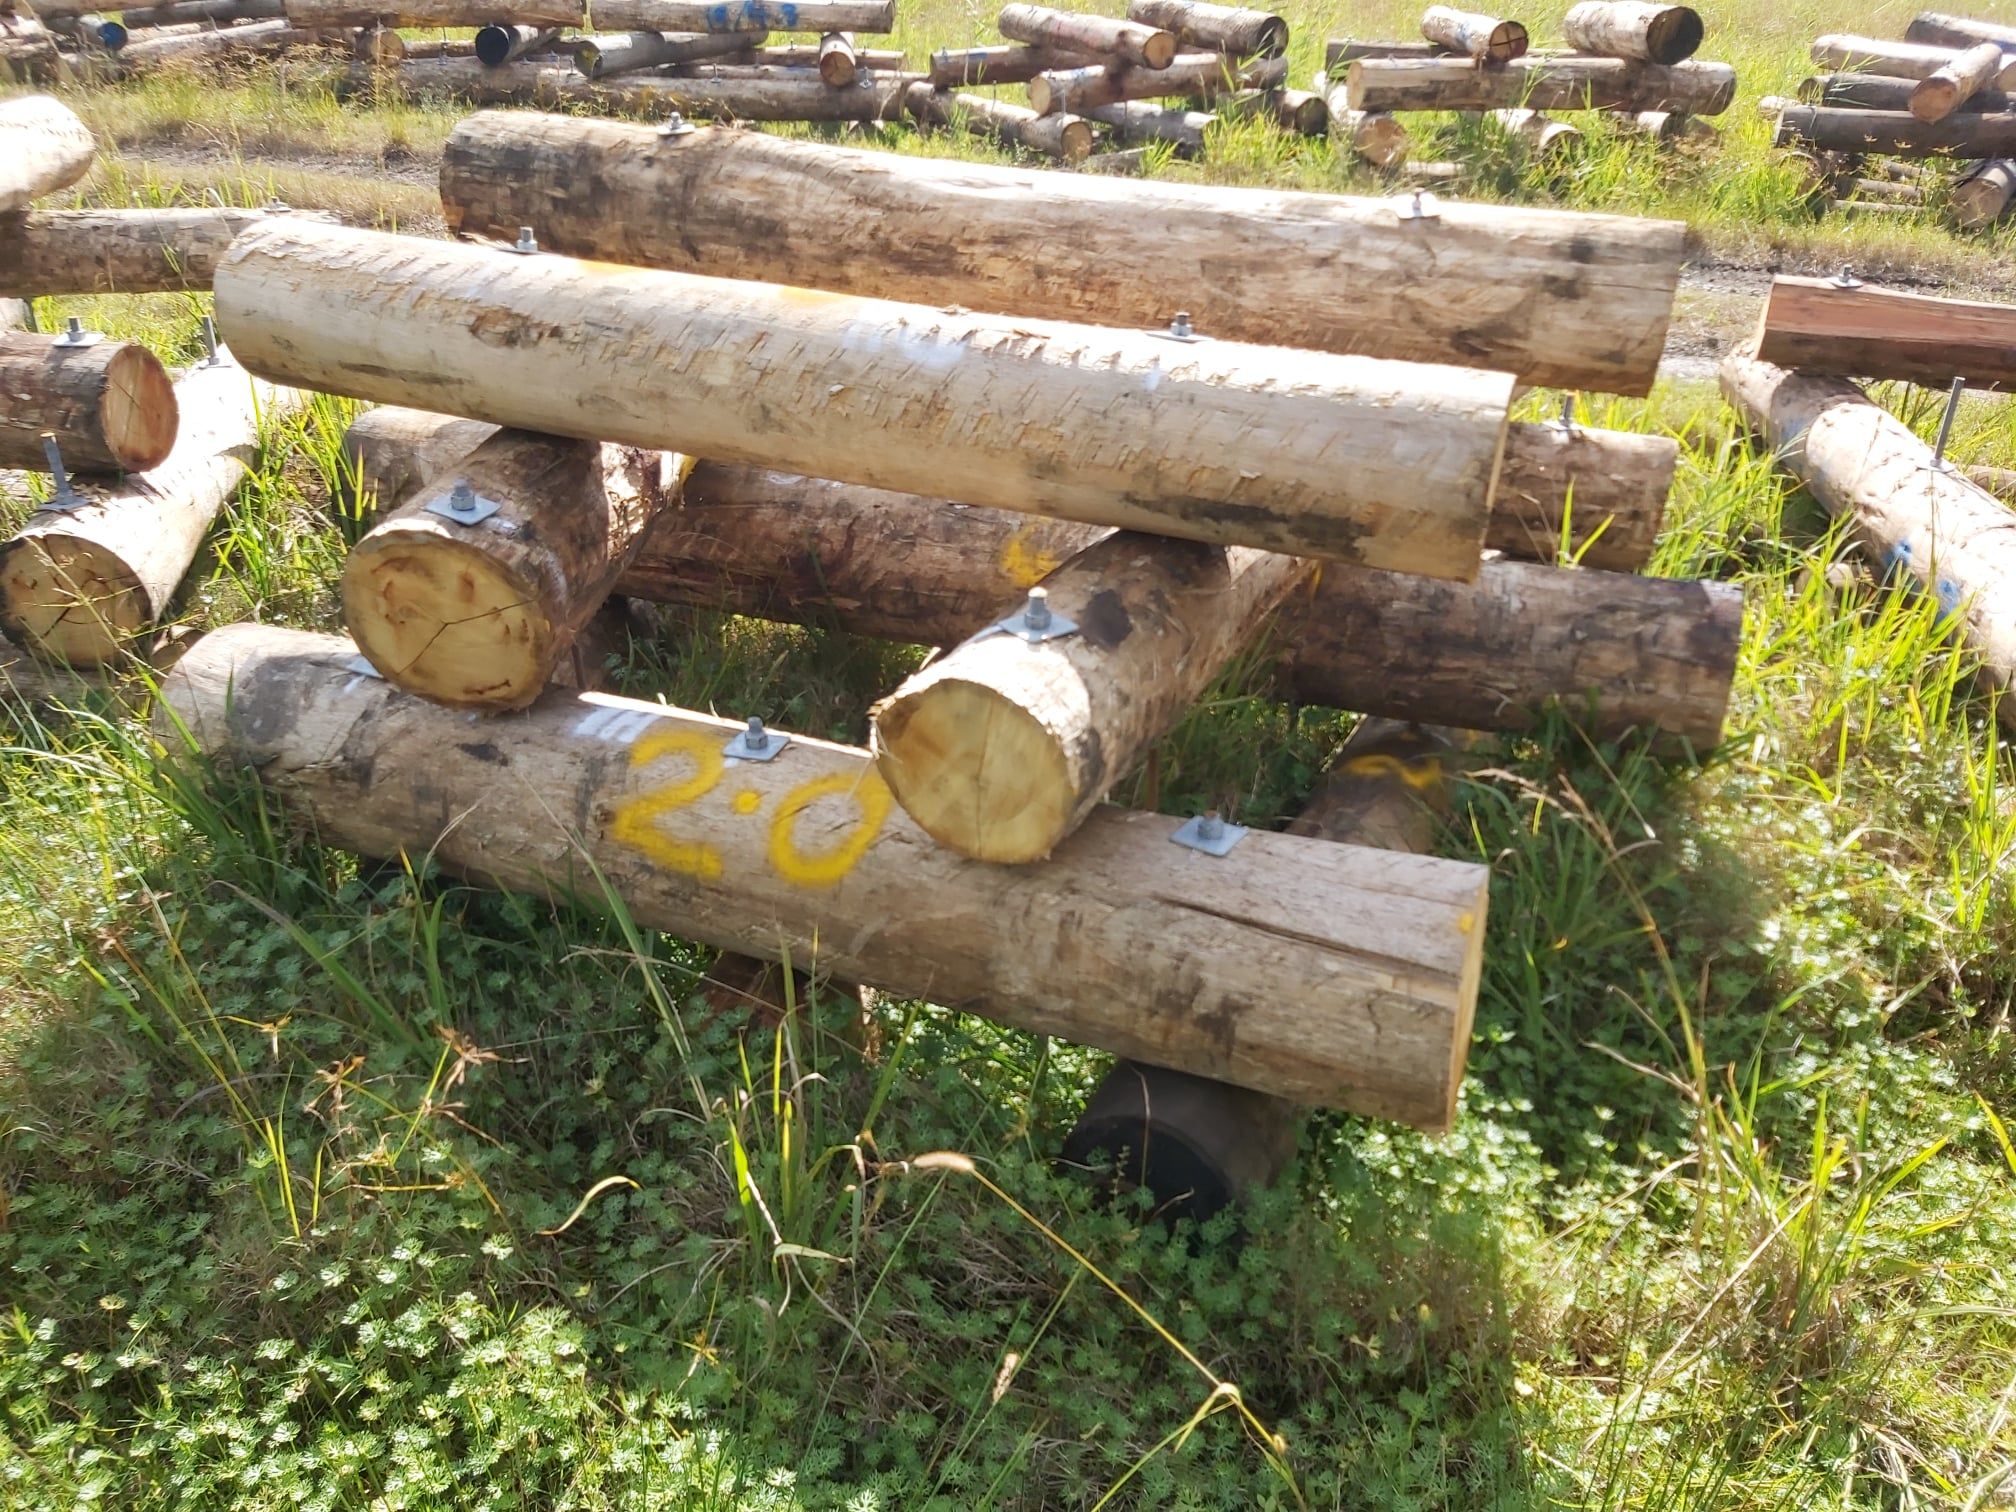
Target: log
1880	92
1114	428
1572	300
1887	190
1065	137
1867	467
111	406
954	66
1329	973
1136	121
1539	135
1373	135
43	148
1575	83
1982	197
1468	34
28	53
1963	134
46	252
1001	748
1217	28
1958	31
799	55
385	47
331	15
1618	651
78	587
257	36
837	63
1942	92
1667	126
725	92
875	17
1999	481
1075	31
502	44
1901	60
1126	162
214	11
1197	76
1816	327
390	453
1633	29
1293	110
478	616
1861	207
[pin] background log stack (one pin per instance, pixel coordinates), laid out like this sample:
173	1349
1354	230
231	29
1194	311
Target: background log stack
83	43
1946	91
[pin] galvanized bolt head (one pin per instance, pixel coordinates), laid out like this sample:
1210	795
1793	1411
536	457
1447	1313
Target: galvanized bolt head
1036	612
73	327
1180	326
1209	825
1417	200
210	336
1846	278
757	738
462	498
527	242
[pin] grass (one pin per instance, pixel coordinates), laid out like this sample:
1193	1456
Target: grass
335	1186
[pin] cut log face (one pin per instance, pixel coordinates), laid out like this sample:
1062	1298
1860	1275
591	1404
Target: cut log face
1962	134
1222	28
1815	326
1983	196
1067	138
1116	428
1000	748
79	586
43	148
1373	135
1074	31
837	62
1948	88
478	615
1901	60
875	17
1333	974
1869	468
1570	83
1485	38
110	406
1634	29
1577	301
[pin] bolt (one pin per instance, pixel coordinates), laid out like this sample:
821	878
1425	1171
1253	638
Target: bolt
210	338
276	206
73	328
674	124
60	492
1209	826
757	738
1036	612
1567	412
462	498
1180	326
1946	423
1418	194
1846	278
527	242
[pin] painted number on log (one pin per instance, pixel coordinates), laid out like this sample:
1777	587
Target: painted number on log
636	821
776	15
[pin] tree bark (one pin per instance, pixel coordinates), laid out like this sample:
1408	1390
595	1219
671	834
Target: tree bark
1574	83
1468	34
955	66
478	616
390	453
1962	134
339	14
1945	90
1577	301
1815	327
837	63
1959	32
1621	652
111	407
1076	31
1373	135
1983	196
705	91
497	45
1293	110
1329	973
1065	137
875	17
1869	468
1220	28
216	11
43	148
79	586
1001	748
1634	29
256	36
1901	60
1881	92
1136	121
1540	135
1113	428
803	55
1196	76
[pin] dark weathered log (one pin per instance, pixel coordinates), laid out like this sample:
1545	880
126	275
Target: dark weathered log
1196	76
1221	28
1329	973
1065	137
1571	83
956	66
1947	88
1958	31
43	148
1111	427
1982	197
109	406
1903	60
217	11
1076	31
1813	325
1869	468
1572	300
1373	135
1963	134
1470	35
1136	121
501	44
875	17
1634	29
116	251
600	56
1881	92
341	14
1293	110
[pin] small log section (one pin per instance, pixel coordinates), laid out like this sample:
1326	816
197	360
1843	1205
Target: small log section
1945	90
1576	301
1958	31
1142	121
111	407
1373	135
1962	134
1197	76
334	15
951	67
1540	135
477	616
1900	60
1635	30
1468	34
1332	974
1221	28
78	587
1074	31
838	63
1065	137
1001	748
1814	326
1110	427
1621	652
1983	196
875	17
496	45
1869	468
599	57
43	148
1573	83
117	251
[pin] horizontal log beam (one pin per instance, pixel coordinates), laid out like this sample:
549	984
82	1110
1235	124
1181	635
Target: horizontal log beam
1962	134
1194	76
599	57
1333	974
1847	53
1578	301
1227	29
1083	422
45	252
1813	325
876	17
953	67
1943	30
1076	31
1882	92
1550	83
341	14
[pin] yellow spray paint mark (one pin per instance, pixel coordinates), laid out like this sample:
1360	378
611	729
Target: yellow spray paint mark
1420	775
635	821
1022	565
822	869
748	801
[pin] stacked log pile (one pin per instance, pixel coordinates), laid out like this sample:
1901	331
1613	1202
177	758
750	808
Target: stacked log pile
1946	91
65	40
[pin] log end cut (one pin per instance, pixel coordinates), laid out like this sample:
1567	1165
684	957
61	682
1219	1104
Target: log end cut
1675	34
137	411
70	599
441	618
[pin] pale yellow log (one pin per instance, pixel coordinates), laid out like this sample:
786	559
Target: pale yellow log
43	148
